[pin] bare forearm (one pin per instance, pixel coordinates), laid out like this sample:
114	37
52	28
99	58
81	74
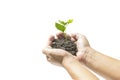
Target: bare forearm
77	70
102	64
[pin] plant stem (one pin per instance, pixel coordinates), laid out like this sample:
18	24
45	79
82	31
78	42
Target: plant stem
65	36
65	32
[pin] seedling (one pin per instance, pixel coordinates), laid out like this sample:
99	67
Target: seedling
62	25
64	43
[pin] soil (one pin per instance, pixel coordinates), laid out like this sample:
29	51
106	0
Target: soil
65	44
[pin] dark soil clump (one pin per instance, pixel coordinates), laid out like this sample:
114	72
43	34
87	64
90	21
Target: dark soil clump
65	44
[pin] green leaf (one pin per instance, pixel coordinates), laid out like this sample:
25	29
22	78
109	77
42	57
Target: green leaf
70	21
62	22
60	27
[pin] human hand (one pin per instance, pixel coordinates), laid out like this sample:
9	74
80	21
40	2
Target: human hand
82	45
55	56
67	60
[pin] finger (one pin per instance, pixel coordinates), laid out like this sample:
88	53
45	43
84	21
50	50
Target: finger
60	35
50	40
63	35
53	61
73	37
77	36
45	50
54	52
48	51
82	40
49	58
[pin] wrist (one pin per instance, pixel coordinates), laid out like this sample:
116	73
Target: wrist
88	53
67	60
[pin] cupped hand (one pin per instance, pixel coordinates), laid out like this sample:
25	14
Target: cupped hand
55	56
82	44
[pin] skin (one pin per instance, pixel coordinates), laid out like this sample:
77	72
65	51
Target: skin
96	61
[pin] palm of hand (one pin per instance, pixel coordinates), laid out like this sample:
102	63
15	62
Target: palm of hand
56	56
82	44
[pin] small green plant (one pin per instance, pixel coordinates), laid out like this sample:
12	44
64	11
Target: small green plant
62	25
64	43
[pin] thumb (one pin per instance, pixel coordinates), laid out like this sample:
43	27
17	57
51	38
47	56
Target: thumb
46	50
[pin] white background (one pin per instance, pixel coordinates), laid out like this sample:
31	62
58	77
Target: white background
26	24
